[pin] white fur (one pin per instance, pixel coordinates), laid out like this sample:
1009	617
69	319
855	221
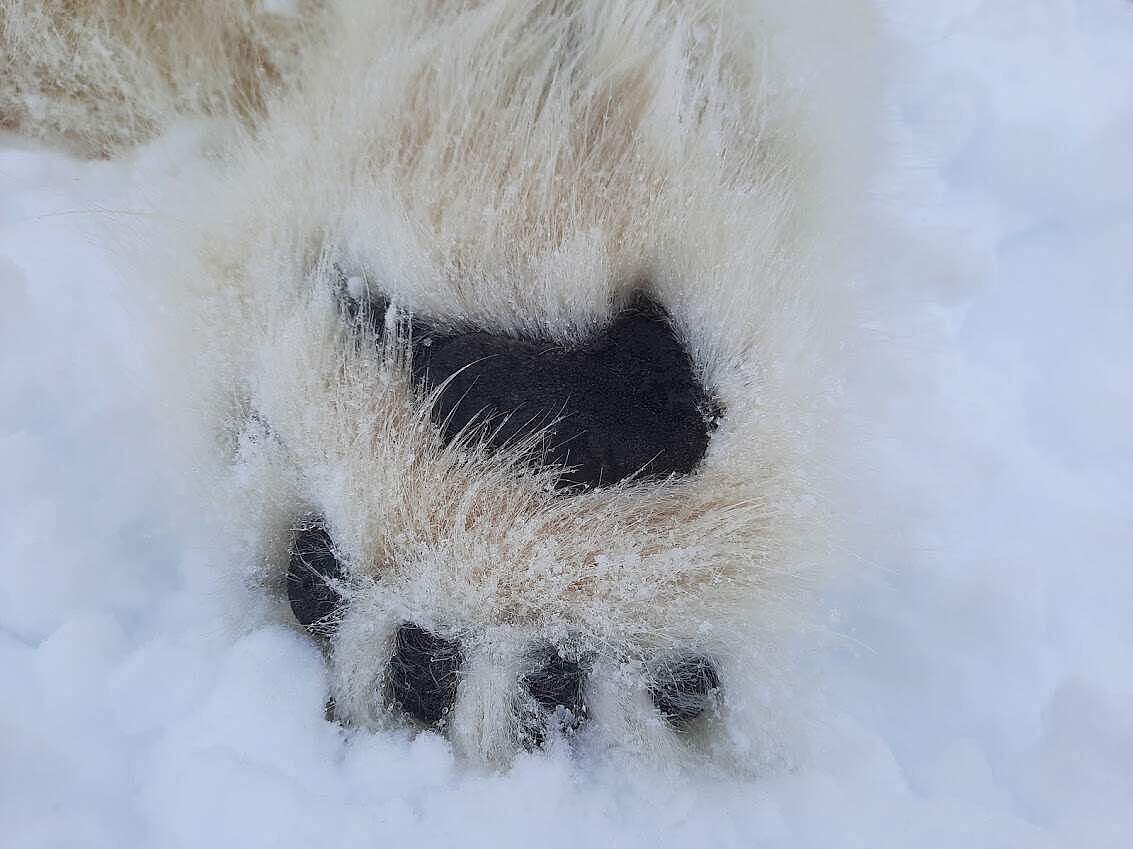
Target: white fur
526	166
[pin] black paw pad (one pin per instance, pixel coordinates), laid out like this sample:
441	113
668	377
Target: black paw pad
552	692
312	563
624	402
684	688
423	674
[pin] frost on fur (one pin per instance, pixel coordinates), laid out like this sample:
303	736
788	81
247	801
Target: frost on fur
527	169
100	75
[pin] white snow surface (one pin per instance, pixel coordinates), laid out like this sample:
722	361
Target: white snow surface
980	693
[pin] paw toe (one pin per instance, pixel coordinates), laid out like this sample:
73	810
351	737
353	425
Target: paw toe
554	689
312	567
683	688
423	674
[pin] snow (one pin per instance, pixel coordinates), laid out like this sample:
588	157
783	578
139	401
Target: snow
981	695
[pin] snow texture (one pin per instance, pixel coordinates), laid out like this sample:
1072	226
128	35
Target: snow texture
981	694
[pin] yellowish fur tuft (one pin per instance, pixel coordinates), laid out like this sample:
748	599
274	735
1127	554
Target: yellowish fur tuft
99	76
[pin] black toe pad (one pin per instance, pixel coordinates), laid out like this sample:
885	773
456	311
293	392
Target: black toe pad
553	690
423	674
312	563
684	688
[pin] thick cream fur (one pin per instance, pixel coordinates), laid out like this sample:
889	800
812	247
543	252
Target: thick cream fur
526	166
102	75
